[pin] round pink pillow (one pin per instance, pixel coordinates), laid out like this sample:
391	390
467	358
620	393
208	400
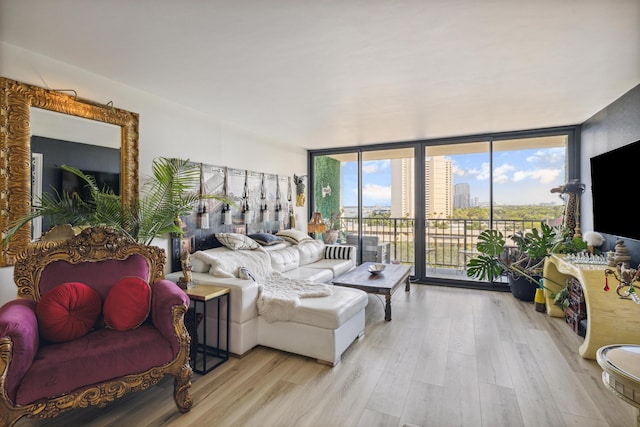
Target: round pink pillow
68	311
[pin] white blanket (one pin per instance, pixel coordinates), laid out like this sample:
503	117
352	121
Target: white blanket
279	296
227	263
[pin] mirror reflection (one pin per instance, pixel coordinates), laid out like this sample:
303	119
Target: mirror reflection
21	100
57	139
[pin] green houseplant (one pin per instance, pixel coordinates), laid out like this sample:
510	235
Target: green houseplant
163	198
523	264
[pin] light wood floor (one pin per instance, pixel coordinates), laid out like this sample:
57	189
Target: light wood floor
449	357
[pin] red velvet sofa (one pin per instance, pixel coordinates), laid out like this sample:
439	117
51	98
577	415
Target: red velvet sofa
52	359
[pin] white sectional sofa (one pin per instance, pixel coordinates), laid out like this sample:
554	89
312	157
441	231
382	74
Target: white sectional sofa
321	327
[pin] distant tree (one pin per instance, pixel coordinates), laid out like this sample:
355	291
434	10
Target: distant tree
380	214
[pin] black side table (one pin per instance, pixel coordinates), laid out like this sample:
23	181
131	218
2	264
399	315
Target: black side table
201	295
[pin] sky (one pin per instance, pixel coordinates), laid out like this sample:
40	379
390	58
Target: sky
520	177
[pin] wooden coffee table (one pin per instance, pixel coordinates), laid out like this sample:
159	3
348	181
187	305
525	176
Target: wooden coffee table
384	283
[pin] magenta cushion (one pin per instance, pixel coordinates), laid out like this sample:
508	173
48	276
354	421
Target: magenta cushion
100	355
68	311
127	304
18	322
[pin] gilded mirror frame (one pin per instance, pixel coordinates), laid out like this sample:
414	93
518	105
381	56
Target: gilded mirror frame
16	101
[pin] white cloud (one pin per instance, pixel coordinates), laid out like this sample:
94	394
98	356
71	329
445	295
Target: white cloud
500	179
458	171
549	155
376	192
543	176
483	173
501	173
374	166
370	168
508	173
521	175
546	176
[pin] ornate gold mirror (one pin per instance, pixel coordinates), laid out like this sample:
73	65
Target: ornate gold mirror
15	150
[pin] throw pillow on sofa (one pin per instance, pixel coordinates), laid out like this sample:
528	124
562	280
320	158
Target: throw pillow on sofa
68	311
293	236
236	241
337	252
266	239
127	304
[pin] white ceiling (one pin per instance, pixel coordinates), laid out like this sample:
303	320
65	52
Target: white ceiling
333	73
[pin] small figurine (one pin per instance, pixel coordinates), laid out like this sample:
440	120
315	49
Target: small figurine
299	182
186	281
625	276
621	252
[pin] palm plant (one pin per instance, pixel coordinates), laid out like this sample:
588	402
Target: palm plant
164	197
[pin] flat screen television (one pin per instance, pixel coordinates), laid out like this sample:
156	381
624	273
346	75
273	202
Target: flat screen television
614	178
72	183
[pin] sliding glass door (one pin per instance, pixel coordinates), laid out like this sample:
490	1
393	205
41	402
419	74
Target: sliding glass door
457	193
428	214
388	206
369	198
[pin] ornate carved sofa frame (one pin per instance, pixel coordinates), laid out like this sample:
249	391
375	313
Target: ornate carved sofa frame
40	379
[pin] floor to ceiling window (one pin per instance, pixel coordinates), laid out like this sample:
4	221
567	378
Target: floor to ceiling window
456	187
428	214
335	194
369	196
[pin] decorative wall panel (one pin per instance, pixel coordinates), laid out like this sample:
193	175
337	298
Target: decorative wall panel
276	190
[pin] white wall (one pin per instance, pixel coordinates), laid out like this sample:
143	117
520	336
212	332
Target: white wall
166	129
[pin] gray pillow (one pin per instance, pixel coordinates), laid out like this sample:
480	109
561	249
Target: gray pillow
237	241
266	239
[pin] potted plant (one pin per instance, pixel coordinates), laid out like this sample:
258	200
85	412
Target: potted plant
523	263
568	244
163	198
333	224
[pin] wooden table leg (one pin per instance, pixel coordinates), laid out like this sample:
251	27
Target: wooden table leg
387	308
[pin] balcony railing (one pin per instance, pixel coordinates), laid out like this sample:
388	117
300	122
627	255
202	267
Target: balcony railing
449	243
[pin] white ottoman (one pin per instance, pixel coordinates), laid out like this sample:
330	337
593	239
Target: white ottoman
322	328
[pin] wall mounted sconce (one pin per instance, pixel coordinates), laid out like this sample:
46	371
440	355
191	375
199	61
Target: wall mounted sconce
316	225
246	211
300	196
226	209
203	215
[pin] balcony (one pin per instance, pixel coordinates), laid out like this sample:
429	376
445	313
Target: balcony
449	243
